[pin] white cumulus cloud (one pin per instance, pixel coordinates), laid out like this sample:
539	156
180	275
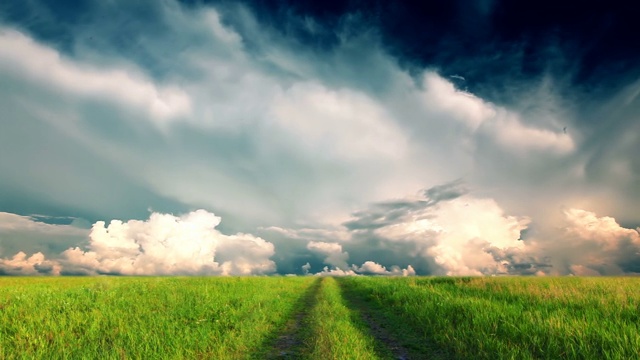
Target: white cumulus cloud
36	264
588	244
457	234
168	245
373	268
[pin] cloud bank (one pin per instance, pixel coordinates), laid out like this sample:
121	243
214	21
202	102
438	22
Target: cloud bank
162	245
443	230
170	245
35	264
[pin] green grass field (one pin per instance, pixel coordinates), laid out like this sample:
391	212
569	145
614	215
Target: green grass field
319	318
144	318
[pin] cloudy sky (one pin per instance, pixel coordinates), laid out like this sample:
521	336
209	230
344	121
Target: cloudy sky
356	137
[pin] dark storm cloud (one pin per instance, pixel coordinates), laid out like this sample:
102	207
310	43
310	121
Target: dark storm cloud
497	46
389	212
448	191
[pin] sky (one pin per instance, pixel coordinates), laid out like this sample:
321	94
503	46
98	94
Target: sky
335	138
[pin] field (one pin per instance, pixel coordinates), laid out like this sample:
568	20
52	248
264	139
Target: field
319	318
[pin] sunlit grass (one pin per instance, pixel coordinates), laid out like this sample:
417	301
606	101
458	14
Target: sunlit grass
144	318
512	318
242	318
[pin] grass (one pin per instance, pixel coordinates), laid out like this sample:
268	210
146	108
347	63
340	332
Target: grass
245	317
510	318
143	318
335	331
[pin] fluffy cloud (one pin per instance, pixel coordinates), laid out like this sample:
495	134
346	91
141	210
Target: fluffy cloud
337	261
333	252
326	271
443	231
591	245
22	235
36	264
305	268
170	245
368	268
162	245
463	235
451	232
373	268
447	231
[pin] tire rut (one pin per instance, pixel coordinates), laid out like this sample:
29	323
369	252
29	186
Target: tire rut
377	328
289	342
379	332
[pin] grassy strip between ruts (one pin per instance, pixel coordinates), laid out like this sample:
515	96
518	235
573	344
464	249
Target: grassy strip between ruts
144	318
511	318
335	331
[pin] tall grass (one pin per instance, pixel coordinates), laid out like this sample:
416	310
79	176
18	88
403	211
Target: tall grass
512	318
144	318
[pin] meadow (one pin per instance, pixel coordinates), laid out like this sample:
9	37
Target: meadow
319	318
508	317
144	318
